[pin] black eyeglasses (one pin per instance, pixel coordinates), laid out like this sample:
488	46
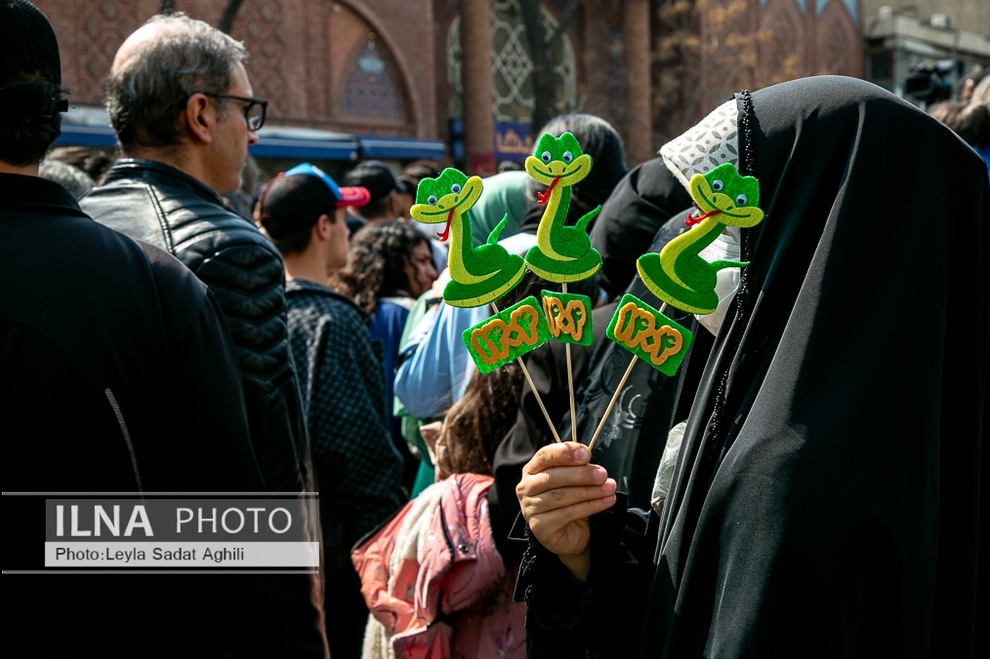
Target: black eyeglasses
254	111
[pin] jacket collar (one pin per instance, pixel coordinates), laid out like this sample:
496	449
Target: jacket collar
304	285
36	194
158	173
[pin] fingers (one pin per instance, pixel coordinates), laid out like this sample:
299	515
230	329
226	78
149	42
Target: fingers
561	477
550	523
559	466
558	492
430	431
565	530
558	455
572	499
571	486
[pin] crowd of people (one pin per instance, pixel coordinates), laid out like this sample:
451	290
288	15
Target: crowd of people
807	484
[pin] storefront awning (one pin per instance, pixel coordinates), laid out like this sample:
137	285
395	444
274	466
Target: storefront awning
89	126
74	135
400	148
304	144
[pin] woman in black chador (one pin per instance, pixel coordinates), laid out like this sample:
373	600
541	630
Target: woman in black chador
826	501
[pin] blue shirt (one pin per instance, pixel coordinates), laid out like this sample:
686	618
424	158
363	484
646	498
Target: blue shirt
386	327
437	366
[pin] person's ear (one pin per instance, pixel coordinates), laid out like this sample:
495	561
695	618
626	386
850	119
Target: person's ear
323	228
200	117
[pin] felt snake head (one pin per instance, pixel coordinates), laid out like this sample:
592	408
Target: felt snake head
439	199
560	159
452	190
730	197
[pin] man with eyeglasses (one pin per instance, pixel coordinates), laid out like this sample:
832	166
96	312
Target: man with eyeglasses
183	109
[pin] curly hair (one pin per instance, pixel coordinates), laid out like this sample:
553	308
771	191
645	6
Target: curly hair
146	96
376	263
476	424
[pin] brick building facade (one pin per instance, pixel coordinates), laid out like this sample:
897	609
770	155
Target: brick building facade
407	67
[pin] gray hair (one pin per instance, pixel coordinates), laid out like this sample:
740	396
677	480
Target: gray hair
76	181
148	93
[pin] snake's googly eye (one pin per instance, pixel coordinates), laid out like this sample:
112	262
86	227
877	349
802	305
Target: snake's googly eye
455	188
545	157
717	185
567	157
741	200
432	200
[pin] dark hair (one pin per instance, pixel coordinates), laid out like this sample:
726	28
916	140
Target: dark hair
294	242
420	169
29	119
289	206
376	263
146	95
94	161
600	141
375	208
509	166
73	179
476	424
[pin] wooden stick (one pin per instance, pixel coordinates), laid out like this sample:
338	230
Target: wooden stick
570	380
532	387
539	400
615	395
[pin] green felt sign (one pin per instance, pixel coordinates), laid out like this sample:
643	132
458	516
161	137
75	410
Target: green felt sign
510	333
568	317
648	334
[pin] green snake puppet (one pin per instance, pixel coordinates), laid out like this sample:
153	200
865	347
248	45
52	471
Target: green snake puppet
678	275
562	253
479	275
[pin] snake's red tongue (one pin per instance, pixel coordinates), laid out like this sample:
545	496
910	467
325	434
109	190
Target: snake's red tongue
691	221
544	197
446	229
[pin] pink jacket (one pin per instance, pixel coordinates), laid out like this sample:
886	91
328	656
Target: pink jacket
435	582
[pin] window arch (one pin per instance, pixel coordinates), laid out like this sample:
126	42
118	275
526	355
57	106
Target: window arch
371	88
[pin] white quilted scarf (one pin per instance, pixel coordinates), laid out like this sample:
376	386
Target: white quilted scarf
709	144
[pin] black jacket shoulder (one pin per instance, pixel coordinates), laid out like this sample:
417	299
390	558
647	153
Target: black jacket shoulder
300	288
185	209
96	332
169	209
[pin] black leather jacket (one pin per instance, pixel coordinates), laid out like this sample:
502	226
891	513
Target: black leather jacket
173	211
